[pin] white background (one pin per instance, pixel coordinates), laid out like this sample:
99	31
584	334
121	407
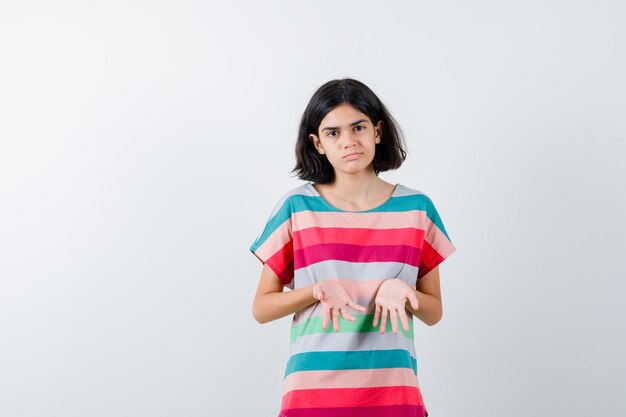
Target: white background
144	144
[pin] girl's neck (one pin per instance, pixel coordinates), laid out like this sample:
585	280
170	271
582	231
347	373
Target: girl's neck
357	190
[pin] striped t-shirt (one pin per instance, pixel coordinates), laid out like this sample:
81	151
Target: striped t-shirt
357	371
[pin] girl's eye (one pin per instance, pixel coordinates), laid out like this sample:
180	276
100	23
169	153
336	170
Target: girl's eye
331	133
359	127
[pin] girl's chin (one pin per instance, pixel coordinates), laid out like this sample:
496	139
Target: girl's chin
355	169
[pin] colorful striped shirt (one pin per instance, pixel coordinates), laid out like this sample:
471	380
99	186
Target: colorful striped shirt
357	371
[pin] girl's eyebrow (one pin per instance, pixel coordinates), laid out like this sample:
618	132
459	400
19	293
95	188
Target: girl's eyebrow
351	124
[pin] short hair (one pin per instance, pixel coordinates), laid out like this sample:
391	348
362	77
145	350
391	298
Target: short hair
389	154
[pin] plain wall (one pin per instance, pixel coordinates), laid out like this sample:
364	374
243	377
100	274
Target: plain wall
144	144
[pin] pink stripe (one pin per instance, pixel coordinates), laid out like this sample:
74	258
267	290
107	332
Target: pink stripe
436	239
381	411
378	220
352	397
275	242
354	253
357	378
308	219
360	289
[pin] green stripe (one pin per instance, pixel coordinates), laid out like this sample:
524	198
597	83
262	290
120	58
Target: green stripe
361	359
363	324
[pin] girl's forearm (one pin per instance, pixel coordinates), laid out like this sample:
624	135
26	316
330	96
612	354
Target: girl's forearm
275	305
430	309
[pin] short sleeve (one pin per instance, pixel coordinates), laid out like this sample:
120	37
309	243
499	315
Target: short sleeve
274	246
437	244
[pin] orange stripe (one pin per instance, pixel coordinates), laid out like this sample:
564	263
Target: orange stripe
282	263
429	259
356	236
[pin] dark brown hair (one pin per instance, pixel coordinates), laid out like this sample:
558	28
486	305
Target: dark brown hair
312	166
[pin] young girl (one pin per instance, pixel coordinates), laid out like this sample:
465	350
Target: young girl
357	252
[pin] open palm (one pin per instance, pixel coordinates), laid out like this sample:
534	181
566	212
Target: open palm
335	301
391	301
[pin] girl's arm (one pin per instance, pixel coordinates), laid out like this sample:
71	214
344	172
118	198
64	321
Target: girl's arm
428	294
271	303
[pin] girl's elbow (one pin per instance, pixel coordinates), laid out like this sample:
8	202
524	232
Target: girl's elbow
261	319
258	315
435	319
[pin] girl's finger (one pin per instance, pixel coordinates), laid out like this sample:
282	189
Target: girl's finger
325	317
376	315
346	315
318	293
404	319
413	300
383	321
335	319
394	320
356	306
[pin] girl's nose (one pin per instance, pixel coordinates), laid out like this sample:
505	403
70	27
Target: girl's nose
349	139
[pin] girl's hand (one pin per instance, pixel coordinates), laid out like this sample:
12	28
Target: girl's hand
335	300
391	301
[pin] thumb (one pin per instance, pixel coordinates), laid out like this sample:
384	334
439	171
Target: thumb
414	301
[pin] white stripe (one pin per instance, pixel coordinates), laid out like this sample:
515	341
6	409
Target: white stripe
358	271
351	342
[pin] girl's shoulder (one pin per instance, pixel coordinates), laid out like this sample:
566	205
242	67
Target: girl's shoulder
302	190
403	191
305	190
415	197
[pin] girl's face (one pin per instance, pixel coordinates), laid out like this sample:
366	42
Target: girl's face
348	139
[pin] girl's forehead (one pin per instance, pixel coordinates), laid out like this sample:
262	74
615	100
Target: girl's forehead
343	114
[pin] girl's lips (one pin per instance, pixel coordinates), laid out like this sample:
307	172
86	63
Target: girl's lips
352	155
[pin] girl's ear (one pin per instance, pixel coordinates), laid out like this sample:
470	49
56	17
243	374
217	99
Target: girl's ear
379	132
316	142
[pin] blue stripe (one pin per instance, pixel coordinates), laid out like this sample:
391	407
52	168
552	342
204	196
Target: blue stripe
299	202
402	203
283	214
364	359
